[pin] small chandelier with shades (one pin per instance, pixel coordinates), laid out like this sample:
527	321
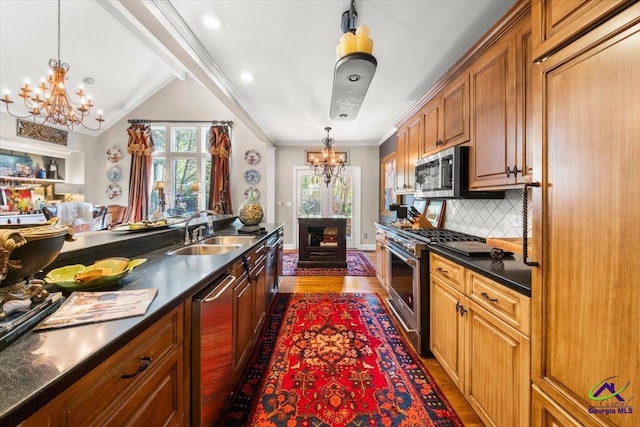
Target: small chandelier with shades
50	103
329	165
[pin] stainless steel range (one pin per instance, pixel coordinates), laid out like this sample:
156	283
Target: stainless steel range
409	296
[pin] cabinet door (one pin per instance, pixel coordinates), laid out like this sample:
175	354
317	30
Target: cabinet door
158	401
524	65
455	111
585	306
557	22
415	149
380	261
242	325
493	99
447	329
497	376
546	413
259	277
402	152
431	119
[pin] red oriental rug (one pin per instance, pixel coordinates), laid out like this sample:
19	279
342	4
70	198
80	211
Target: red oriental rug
335	360
358	264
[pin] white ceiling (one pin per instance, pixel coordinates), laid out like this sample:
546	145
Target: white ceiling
134	48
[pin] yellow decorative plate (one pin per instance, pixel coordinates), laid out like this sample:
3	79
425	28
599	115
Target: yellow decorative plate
76	278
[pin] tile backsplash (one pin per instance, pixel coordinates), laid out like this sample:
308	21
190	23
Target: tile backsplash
487	218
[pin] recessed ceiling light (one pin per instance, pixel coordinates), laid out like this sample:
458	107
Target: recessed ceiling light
247	77
88	80
213	22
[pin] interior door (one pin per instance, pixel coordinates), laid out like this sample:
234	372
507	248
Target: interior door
314	197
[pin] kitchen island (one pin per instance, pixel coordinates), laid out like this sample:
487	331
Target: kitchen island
41	365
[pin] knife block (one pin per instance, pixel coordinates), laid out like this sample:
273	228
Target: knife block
422	222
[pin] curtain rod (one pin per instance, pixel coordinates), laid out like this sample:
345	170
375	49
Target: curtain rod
213	122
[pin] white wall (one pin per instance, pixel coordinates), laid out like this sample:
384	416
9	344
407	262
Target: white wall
180	100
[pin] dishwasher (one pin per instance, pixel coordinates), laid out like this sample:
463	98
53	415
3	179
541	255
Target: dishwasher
212	355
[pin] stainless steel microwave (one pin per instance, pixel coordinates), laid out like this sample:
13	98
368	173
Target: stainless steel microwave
445	175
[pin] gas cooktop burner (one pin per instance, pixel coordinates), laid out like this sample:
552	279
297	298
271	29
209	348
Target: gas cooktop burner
439	236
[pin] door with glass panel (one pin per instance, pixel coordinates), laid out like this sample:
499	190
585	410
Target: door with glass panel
340	197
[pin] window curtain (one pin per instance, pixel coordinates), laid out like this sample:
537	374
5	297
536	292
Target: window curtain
140	146
219	188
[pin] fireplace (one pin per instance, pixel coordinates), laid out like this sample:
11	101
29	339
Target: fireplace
322	241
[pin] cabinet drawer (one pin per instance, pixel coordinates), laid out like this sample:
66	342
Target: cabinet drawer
158	400
448	270
508	305
103	392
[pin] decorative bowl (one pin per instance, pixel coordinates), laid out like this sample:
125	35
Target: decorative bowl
43	244
65	277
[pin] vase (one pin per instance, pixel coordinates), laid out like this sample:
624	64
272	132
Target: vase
251	212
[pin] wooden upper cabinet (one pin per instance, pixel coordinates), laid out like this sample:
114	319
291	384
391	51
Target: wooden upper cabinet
493	102
500	106
524	123
431	127
445	118
408	151
402	142
558	22
455	111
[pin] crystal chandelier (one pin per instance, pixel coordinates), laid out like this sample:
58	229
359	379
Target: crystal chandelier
328	165
50	103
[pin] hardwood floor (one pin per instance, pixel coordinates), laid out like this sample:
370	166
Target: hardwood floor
313	284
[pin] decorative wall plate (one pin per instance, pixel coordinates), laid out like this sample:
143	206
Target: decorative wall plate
256	192
114	173
251	176
252	157
114	191
114	154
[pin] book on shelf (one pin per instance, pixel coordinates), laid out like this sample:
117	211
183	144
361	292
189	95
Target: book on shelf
89	307
23	317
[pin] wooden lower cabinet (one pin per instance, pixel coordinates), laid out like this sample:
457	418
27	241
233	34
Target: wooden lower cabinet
382	262
259	277
482	344
153	395
497	371
547	413
242	324
447	329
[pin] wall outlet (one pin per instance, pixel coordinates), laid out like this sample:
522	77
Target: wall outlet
513	221
366	235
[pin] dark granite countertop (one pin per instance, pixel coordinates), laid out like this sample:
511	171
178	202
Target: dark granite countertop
40	365
510	271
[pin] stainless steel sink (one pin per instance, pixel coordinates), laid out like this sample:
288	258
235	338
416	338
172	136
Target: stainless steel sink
227	240
204	249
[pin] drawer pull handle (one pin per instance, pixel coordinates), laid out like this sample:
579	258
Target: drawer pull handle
487	297
442	270
145	361
460	309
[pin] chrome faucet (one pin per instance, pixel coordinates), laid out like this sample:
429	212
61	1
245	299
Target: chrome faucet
198	231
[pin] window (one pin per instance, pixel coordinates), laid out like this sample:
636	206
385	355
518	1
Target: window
180	160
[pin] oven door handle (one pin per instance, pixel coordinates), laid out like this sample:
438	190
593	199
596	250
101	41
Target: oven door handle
409	261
